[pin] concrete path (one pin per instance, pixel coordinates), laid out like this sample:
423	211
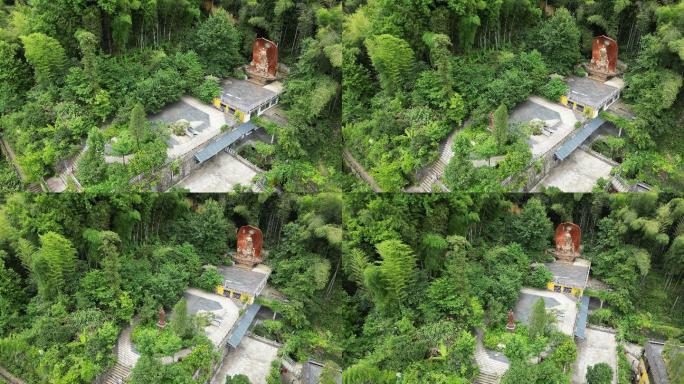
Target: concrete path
432	174
218	175
578	173
252	358
490	363
126	355
5	374
542	144
598	347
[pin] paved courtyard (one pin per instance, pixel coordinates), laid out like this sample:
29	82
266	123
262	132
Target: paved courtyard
577	173
218	175
564	306
252	358
203	118
539	108
224	310
598	347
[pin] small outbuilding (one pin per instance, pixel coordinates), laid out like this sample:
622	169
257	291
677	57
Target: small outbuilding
569	278
242	283
589	96
246	100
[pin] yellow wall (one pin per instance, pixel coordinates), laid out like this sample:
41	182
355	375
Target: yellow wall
575	291
249	299
564	100
643	375
217	102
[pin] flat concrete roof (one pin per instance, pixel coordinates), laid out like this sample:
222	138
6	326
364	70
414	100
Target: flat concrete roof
654	354
570	274
586	91
244	95
312	371
224	141
243	280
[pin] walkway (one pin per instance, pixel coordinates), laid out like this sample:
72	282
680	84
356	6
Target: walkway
5	374
224	141
360	171
492	365
432	174
542	144
125	353
598	347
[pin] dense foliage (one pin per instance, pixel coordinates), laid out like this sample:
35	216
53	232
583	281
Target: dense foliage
76	269
429	275
414	73
69	69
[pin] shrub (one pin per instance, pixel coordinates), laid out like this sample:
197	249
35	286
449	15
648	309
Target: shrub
601	316
179	127
554	89
207	90
210	278
238	379
539	277
600	373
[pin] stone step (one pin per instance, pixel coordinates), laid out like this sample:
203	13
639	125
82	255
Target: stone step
486	378
117	374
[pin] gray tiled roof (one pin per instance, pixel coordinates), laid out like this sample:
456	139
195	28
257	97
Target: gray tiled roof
244	95
243	280
576	141
568	274
657	369
224	141
586	91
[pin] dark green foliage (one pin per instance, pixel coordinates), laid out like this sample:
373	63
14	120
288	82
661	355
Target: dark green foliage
558	40
532	228
539	277
237	379
207	90
554	89
501	130
599	374
216	41
210	279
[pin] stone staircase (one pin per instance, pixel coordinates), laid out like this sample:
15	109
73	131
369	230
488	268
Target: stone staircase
487	378
117	374
436	171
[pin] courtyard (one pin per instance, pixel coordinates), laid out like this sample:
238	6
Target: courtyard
224	313
578	173
252	358
219	175
598	347
564	306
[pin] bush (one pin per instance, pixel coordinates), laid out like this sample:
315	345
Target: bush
207	90
554	89
210	279
238	379
539	277
599	374
601	316
179	127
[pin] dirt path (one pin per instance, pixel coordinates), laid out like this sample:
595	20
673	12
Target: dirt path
360	171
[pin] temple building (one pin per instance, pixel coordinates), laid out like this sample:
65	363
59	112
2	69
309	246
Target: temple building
251	97
593	94
246	279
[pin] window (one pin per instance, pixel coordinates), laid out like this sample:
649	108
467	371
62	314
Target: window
567	290
556	288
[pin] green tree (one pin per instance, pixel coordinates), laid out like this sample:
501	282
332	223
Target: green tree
53	264
600	373
217	43
47	57
558	40
501	130
14	77
182	322
532	228
331	371
393	60
539	320
92	167
137	124
207	229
